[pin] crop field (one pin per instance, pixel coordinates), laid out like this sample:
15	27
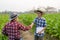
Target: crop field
52	28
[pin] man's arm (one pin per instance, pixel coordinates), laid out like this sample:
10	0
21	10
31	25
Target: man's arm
32	24
44	27
42	30
24	28
4	31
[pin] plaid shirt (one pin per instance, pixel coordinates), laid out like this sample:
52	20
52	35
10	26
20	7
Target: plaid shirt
12	29
40	23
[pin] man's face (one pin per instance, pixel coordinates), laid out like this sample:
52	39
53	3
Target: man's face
16	19
39	14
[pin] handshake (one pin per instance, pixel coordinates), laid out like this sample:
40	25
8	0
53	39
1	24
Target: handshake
31	25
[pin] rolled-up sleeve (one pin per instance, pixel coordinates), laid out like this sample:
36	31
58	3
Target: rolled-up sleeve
24	28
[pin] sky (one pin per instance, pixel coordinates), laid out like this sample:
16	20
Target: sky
25	5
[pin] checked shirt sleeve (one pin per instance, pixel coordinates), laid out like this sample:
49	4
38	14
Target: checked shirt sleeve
35	20
24	28
44	23
4	31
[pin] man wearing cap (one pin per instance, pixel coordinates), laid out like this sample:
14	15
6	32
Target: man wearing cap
12	28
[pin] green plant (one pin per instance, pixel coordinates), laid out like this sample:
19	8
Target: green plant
53	23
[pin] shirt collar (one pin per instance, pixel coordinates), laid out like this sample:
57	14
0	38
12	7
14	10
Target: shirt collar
39	18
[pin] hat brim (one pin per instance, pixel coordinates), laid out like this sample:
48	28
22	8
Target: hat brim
36	11
13	18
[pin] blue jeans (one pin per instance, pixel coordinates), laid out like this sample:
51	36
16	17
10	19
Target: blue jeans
21	38
39	36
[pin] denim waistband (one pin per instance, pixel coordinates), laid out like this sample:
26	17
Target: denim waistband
42	34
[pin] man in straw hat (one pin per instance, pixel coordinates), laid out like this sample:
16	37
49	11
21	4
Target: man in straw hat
40	23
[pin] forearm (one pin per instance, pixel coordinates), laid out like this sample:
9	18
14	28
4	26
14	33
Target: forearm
43	29
25	28
4	32
30	26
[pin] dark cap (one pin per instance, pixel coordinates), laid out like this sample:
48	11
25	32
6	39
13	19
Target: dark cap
13	16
